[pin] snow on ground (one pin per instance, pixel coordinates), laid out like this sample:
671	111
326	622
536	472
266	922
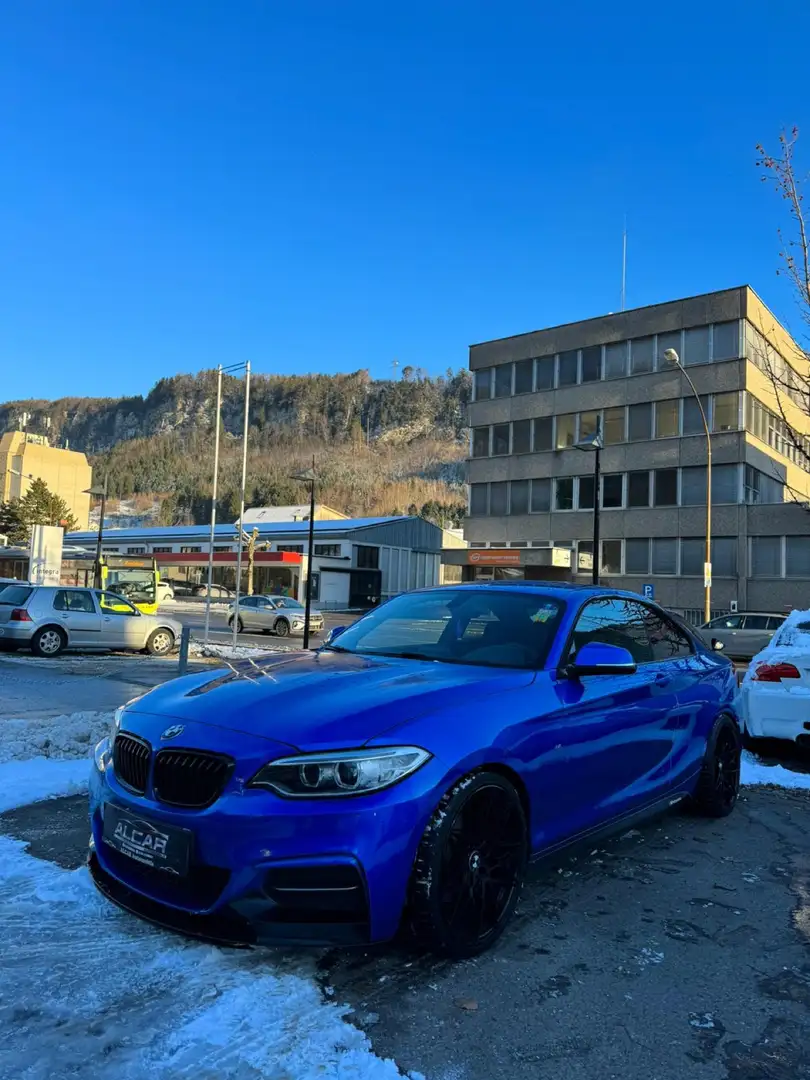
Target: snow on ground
753	772
23	782
70	736
190	607
228	652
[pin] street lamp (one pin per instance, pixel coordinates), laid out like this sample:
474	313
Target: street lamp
594	444
671	356
100	491
308	477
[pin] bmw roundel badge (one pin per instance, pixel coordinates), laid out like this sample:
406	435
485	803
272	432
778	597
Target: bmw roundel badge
173	731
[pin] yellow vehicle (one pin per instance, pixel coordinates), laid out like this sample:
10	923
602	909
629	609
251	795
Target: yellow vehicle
135	577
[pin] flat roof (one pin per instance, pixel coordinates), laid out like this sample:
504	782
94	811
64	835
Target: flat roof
228	532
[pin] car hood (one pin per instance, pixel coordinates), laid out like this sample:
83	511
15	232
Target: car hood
325	700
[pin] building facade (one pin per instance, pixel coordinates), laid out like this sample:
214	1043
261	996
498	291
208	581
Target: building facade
24	457
537	395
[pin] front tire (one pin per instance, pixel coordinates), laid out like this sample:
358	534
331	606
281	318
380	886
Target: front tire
282	628
240	626
49	641
718	785
470	867
160	642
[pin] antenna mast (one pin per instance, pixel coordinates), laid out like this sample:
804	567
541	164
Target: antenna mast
624	263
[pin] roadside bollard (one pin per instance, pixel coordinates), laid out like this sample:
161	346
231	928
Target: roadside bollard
185	638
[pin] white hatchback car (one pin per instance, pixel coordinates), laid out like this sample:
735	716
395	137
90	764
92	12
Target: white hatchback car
775	693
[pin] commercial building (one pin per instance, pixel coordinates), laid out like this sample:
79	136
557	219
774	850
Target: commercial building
357	562
25	457
537	395
257	515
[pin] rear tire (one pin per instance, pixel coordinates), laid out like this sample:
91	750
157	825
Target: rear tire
160	642
240	626
49	641
282	628
718	785
470	867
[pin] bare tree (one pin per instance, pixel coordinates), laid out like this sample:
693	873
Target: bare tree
789	376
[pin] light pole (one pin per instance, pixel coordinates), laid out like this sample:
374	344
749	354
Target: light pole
242	502
594	444
671	356
308	477
100	491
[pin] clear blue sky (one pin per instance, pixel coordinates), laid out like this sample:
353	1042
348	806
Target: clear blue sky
328	186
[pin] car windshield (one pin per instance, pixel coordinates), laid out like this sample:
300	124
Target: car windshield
14	595
288	602
485	627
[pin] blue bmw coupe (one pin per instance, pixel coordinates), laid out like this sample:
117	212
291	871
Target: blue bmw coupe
407	772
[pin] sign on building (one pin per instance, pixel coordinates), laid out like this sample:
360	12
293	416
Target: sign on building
45	555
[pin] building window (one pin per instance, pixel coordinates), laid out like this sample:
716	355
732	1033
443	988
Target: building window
725	413
584	556
503	380
480	442
482	383
696	346
637	556
500	439
592	364
639	422
327	551
544	372
642	355
223	547
564	493
725	484
666	487
693	486
367	557
478	500
761	488
544	433
588	424
666	418
612	490
692	420
766	556
616	360
569	368
296	549
611	557
111	549
521	436
524	376
541	496
638	488
670	340
586	489
613	427
163	550
519	497
566	430
664	555
498	494
190	550
724	556
693	554
726	341
797	556
136	551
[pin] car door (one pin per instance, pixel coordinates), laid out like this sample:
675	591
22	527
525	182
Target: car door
726	629
265	613
755	634
122	625
247	612
75	609
603	750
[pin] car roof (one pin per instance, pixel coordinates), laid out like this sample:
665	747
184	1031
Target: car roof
562	589
770	614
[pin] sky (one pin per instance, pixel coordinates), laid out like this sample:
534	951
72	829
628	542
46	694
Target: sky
328	186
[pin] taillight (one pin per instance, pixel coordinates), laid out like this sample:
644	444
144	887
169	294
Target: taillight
775	672
19	614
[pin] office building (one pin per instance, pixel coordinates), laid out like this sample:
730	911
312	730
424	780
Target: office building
531	489
25	457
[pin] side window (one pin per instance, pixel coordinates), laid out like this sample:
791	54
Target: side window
775	621
756	622
65	600
60	601
613	621
249	601
115	605
726	622
667	641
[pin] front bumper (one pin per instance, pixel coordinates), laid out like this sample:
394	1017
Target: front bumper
267	870
772	711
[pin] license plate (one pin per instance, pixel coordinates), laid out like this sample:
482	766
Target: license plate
162	847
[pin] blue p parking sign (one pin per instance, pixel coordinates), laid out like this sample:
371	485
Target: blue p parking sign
648	592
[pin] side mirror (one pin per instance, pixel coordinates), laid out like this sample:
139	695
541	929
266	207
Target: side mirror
597	659
718	646
335	632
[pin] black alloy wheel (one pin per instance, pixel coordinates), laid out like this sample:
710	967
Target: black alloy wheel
470	867
282	628
719	784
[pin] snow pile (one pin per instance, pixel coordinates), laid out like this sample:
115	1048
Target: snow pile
24	782
63	737
229	652
753	771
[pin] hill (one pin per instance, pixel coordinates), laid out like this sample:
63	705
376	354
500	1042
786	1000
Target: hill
380	446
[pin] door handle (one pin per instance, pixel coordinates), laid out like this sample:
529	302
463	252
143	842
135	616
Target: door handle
662	679
107	618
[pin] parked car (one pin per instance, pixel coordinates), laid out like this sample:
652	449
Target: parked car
409	769
49	619
218	592
164	591
743	634
279	615
775	693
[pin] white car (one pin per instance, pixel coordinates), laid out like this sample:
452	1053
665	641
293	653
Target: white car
164	591
775	694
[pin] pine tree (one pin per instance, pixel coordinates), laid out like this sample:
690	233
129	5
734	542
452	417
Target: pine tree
11	523
40	506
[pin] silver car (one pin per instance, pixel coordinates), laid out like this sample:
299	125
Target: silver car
744	633
279	615
49	619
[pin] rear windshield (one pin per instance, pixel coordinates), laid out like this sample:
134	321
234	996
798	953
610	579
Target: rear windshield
14	595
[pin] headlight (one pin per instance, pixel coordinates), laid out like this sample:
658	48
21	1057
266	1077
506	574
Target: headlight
102	755
118	716
341	772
